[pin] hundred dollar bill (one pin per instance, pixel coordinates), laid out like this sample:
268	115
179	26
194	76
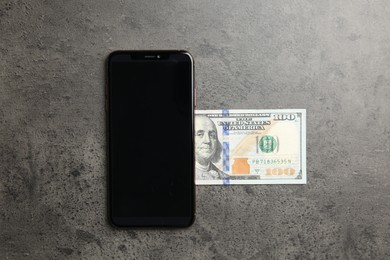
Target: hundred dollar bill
250	146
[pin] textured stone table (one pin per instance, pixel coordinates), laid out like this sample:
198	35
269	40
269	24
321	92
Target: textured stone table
329	57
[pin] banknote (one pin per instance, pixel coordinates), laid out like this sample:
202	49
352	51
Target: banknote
250	146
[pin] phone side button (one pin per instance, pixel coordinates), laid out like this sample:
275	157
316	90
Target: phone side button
194	96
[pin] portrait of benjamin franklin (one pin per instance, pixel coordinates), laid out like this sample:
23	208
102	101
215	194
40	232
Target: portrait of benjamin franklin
208	149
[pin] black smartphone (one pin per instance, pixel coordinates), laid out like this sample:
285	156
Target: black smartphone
150	107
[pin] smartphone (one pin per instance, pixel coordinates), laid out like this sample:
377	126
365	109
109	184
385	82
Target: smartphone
150	106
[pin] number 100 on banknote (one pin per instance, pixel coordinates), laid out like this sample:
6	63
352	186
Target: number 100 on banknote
250	146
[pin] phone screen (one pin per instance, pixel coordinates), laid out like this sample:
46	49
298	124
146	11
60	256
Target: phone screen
151	158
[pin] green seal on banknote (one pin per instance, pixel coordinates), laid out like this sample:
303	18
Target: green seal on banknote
268	144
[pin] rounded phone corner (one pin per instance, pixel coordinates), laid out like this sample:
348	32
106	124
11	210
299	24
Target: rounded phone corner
112	54
190	56
192	221
113	224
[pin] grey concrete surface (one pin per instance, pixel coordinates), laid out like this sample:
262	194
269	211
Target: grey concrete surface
331	57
